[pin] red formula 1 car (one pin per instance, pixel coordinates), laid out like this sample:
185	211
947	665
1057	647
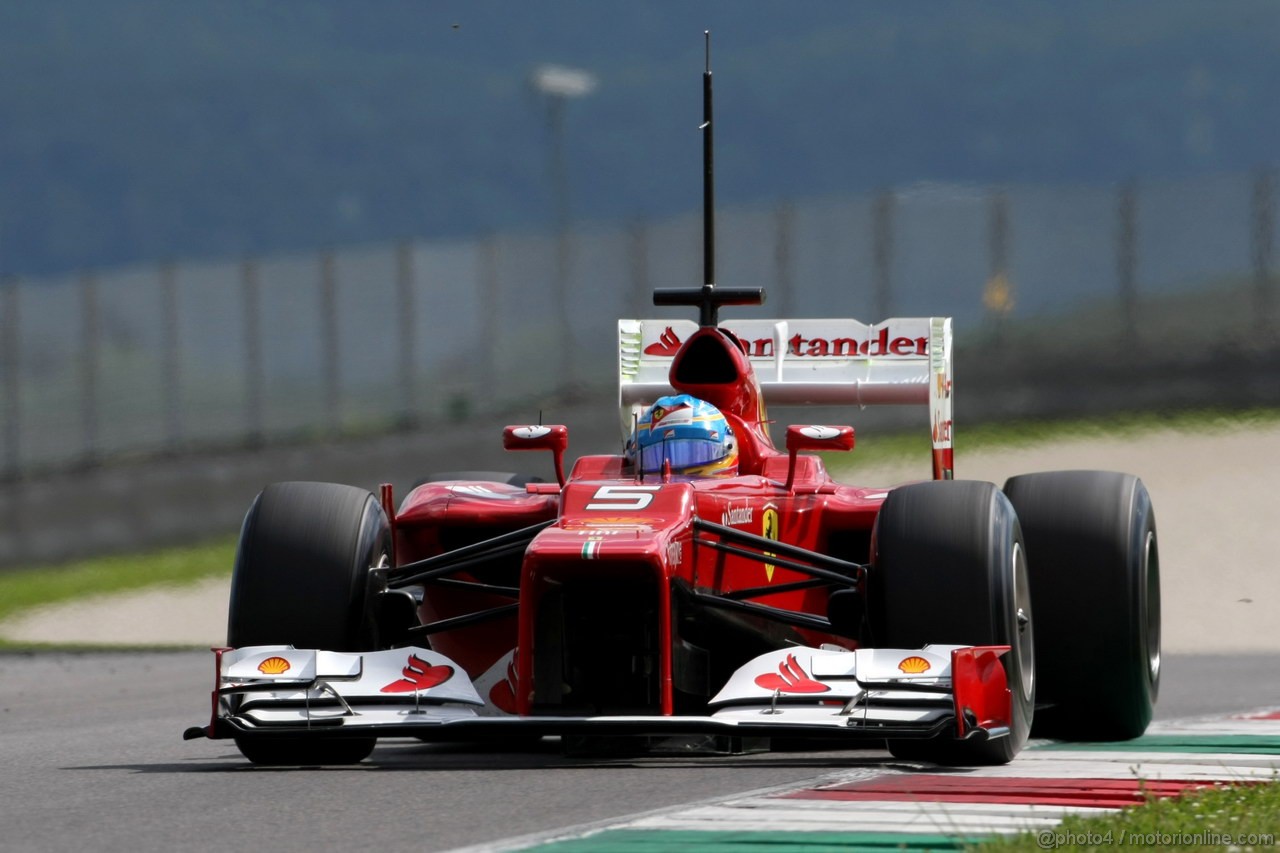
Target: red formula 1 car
666	593
627	598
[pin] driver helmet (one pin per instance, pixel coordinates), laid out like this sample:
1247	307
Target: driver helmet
689	432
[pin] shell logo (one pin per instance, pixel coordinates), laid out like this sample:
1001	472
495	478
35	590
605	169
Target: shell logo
273	666
914	665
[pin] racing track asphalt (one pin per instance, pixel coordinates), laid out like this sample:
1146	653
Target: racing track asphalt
93	760
91	756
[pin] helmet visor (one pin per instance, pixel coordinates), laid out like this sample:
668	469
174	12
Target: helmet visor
684	453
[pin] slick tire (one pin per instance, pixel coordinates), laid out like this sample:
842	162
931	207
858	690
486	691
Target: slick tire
950	568
300	579
1095	586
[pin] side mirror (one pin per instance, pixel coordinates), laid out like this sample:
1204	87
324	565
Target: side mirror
553	437
815	438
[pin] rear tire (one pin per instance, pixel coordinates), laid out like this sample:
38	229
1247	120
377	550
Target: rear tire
300	579
1095	581
950	569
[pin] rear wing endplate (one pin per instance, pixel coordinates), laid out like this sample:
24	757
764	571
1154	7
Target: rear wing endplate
900	361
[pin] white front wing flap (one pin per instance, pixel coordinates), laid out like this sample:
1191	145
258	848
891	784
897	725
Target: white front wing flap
283	686
413	691
836	687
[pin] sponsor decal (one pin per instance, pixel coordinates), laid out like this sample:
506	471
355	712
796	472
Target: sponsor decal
914	665
503	693
884	343
790	678
822	433
483	492
667	345
273	666
769	530
621	523
742	515
680	414
528	432
419	675
675	554
622	497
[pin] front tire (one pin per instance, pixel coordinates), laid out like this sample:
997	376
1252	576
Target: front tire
1095	579
300	579
950	568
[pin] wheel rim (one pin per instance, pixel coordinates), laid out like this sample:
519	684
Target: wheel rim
1151	571
1023	636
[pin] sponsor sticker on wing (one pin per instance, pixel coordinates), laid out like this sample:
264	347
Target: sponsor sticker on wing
419	675
790	678
273	666
914	665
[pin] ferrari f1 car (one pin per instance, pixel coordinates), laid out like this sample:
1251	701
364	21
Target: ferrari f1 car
651	595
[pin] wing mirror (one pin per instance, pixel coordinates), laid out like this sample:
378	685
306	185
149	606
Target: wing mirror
815	438
553	437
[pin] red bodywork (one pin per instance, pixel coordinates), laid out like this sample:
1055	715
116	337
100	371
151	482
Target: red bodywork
605	621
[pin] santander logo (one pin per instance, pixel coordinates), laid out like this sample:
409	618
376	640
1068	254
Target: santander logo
667	345
884	343
419	675
790	678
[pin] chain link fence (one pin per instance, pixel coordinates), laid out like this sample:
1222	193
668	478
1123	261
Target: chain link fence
177	357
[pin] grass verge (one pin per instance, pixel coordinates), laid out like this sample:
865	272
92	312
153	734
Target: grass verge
1236	817
22	589
874	448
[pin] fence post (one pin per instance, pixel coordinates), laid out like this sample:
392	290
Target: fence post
1264	218
997	296
882	252
1127	261
253	379
10	355
784	224
89	364
172	347
490	300
329	343
405	279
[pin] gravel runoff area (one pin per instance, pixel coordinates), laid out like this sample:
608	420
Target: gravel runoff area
1215	495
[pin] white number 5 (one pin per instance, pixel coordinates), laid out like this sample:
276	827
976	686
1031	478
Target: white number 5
622	497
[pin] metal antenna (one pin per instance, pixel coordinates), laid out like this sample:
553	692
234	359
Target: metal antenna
708	190
708	298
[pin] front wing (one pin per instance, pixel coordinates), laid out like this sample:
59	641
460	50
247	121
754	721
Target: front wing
958	692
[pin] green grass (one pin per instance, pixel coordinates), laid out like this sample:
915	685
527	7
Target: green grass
873	448
1212	814
21	589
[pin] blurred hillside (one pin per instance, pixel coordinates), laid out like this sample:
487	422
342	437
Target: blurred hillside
141	129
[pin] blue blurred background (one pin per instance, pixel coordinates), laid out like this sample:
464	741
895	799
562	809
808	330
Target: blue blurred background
235	226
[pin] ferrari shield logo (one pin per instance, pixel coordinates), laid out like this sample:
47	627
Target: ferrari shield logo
770	531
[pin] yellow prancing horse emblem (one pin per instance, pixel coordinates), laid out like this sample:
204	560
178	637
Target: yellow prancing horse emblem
770	532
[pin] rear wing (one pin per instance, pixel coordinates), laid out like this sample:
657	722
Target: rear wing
812	362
